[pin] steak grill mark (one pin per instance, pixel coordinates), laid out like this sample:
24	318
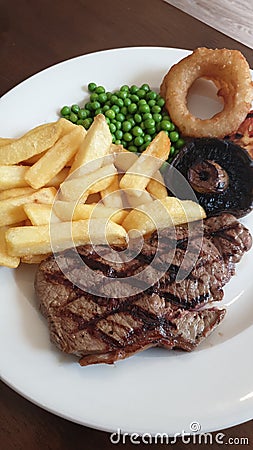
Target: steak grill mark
101	328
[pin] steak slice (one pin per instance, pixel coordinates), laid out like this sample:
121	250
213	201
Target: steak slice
104	304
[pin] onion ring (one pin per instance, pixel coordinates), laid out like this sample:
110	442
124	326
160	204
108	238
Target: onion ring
229	71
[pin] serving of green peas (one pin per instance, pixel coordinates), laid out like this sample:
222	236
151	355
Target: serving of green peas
135	115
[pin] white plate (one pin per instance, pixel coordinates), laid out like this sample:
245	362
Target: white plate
154	391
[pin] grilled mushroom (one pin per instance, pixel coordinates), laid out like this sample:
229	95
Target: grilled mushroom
220	173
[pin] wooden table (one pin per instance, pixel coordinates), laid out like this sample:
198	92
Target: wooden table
35	35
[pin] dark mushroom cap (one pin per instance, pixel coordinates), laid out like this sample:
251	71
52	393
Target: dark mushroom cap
237	195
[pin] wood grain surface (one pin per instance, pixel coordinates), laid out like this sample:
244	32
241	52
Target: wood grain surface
232	17
35	35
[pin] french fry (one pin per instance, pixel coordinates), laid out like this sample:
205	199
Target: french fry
32	143
95	145
12	211
54	160
37	240
138	175
112	194
5	259
74	189
16	192
125	159
12	176
169	211
68	211
40	214
5	141
58	179
33	159
156	186
134	201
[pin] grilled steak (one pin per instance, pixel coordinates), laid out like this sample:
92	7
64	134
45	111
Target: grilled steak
104	304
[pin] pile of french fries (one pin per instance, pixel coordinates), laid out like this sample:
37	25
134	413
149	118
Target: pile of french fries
63	186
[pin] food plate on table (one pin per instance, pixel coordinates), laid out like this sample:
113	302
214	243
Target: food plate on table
156	390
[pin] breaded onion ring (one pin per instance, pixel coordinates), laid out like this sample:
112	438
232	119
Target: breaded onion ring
229	71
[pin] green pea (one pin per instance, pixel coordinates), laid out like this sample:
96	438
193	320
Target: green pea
145	87
98	111
147	138
172	150
149	123
179	143
124	88
138	141
73	117
141	93
151	103
160	102
127	101
151	95
102	97
118	125
124	143
100	90
134	98
88	106
117	141
123	94
119	102
92	87
112	128
144	109
126	125
166	125
75	109
95	105
131	120
133	89
87	122
115	108
132	108
113	138
151	130
120	117
123	110
79	122
65	110
113	99
127	137
110	114
105	108
156	109
118	134
93	97
142	102
157	117
137	131
174	136
82	114
147	116
132	148
137	118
